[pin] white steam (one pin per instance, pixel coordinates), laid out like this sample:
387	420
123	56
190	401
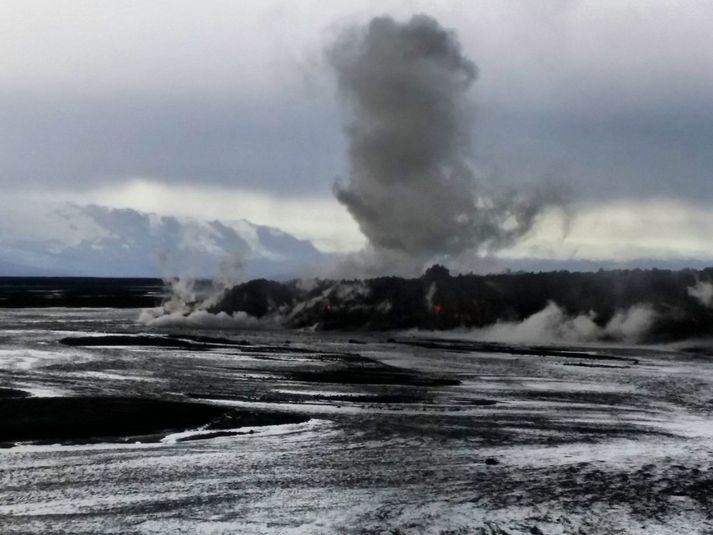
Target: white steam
202	319
188	303
703	292
552	324
631	325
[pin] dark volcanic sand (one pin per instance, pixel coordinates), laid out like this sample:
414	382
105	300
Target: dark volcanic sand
341	368
12	393
520	440
194	343
23	292
95	419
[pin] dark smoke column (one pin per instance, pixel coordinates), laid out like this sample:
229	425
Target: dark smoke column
407	120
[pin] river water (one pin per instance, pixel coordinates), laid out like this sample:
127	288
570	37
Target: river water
405	435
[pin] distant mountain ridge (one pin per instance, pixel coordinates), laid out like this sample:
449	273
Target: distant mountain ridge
96	241
106	242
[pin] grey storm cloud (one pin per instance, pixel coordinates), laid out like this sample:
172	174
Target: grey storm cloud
80	142
613	97
411	186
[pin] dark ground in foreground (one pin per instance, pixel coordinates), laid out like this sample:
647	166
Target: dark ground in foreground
405	434
85	419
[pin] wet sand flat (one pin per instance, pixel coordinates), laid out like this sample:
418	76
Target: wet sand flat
459	439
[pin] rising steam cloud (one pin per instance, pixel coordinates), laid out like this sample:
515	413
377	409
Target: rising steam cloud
411	188
702	291
553	324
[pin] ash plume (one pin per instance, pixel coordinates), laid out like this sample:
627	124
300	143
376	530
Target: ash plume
407	120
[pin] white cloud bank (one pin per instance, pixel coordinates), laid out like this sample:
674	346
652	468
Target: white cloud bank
622	230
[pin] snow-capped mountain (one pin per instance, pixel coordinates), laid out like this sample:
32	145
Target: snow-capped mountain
98	241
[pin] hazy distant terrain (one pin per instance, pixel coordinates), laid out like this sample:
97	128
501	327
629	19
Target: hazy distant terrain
96	241
91	240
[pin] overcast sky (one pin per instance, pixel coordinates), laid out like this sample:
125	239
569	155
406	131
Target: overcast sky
226	109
